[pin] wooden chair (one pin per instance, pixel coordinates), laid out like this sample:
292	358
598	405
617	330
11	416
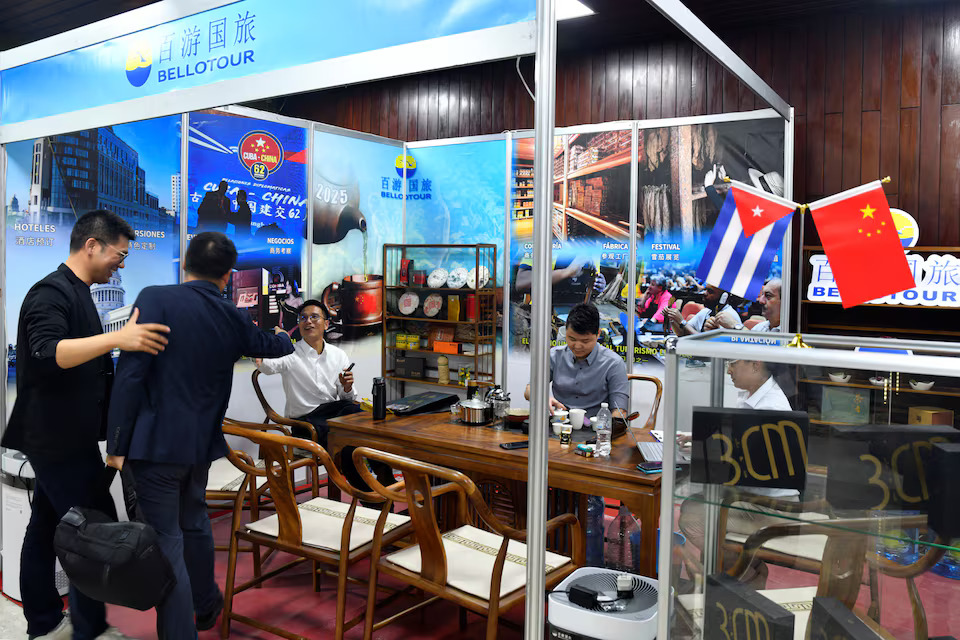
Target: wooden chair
850	545
478	570
321	531
273	416
655	408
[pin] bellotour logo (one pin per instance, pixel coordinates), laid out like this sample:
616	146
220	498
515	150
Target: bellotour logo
417	188
139	63
405	161
261	153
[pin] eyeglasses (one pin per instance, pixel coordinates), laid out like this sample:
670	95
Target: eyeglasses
313	317
123	254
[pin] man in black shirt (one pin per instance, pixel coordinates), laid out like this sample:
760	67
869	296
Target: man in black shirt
64	376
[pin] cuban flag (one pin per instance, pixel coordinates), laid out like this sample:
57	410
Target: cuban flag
745	240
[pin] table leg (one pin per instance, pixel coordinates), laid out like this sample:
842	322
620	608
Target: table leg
647	510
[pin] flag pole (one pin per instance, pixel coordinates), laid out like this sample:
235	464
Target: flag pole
802	264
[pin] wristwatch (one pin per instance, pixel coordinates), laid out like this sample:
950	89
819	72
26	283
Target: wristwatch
683	323
739	327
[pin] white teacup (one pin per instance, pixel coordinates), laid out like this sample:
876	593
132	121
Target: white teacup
593	423
576	417
557	427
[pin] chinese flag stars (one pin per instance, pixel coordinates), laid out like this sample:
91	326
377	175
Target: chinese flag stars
861	244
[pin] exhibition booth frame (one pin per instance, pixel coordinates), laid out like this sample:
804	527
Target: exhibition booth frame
304	179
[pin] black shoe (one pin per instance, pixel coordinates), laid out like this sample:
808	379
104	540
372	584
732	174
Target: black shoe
209	620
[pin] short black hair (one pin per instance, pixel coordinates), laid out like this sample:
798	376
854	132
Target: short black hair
243	193
584	319
223	186
312	303
102	225
210	254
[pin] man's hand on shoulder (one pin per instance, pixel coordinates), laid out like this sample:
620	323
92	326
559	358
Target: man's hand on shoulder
280	331
149	336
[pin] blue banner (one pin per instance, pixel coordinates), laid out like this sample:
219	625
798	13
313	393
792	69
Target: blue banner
238	40
248	179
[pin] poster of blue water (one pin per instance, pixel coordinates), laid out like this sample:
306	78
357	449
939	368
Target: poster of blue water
248	178
131	169
455	196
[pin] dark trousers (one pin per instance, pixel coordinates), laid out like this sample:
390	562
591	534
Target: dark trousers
77	481
172	499
318	418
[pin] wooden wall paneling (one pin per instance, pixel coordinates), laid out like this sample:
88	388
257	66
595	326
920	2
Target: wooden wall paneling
598	82
951	54
572	91
654	79
833	89
668	96
393	112
486	99
852	100
453	103
367	96
909	159
949	219
910	52
781	69
748	53
684	77
698	81
832	153
433	106
611	88
872	57
423	108
474	92
797	37
505	114
525	103
640	66
928	212
443	105
763	62
625	94
403	106
815	64
731	92
799	158
583	95
870	147
714	86
890	103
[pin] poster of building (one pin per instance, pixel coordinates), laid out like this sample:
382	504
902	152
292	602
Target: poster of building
130	169
248	178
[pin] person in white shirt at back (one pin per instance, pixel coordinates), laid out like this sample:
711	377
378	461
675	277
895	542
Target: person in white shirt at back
758	390
318	385
769	298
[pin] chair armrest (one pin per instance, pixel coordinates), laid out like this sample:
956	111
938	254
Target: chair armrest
291	422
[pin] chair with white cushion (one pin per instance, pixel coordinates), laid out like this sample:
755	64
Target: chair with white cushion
321	531
483	571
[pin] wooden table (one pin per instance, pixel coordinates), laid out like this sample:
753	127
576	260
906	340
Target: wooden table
435	438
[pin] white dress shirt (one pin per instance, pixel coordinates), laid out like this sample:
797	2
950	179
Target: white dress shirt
764	326
768	396
310	379
696	322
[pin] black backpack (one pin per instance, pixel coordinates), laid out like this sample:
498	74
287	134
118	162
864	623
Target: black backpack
114	562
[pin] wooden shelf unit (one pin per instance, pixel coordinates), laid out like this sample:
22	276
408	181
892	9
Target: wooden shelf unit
482	358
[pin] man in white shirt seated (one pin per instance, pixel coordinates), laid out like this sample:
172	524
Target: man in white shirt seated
711	307
318	385
758	390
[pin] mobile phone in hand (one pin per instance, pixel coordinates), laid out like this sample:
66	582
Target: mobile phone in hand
350	367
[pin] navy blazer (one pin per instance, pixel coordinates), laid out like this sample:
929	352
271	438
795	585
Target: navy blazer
169	407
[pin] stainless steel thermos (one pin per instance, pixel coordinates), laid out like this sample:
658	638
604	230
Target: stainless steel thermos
379	399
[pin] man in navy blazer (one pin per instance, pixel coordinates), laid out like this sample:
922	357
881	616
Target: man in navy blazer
165	420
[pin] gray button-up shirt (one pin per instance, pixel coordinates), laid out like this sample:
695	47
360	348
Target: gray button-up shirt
584	384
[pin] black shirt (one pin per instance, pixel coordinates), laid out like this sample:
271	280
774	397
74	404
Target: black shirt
58	411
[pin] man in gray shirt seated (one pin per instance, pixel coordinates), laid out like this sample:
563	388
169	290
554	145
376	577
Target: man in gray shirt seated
585	373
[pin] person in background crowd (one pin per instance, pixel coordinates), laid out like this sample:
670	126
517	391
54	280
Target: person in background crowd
242	217
769	298
64	378
652	306
318	384
166	415
712	307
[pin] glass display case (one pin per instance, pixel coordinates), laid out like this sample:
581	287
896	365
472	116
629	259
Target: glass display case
816	490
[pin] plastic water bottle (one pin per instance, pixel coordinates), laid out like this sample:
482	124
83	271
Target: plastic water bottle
595	509
622	542
604	431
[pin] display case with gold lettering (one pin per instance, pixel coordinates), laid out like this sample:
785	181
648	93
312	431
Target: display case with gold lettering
810	473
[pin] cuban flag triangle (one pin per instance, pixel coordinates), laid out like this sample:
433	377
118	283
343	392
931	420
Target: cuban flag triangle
735	261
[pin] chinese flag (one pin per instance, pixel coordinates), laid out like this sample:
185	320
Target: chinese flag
862	244
758	209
